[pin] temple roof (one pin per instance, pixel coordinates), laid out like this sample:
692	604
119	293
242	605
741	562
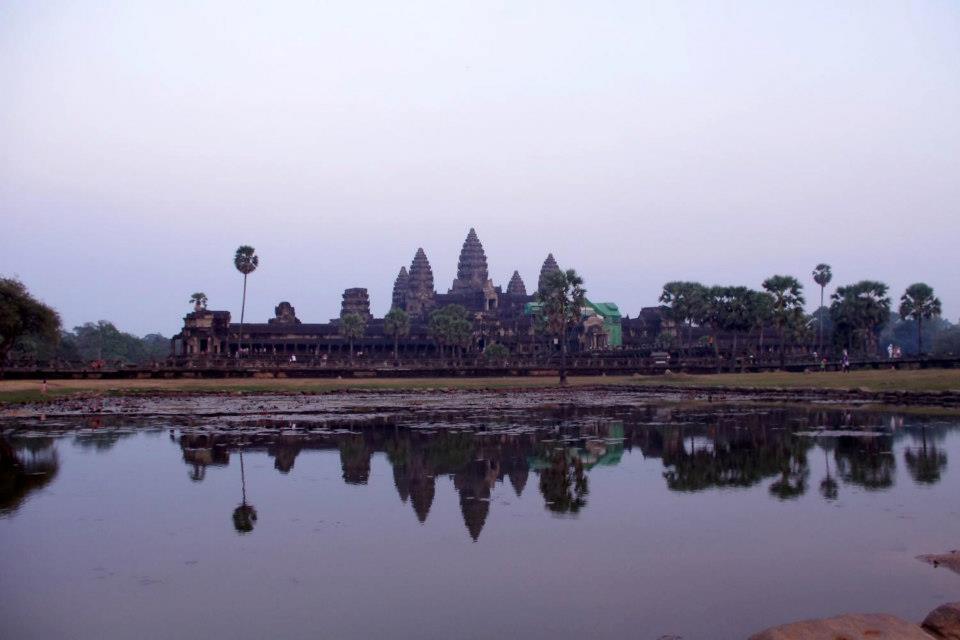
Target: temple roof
421	275
472	266
400	286
549	265
516	286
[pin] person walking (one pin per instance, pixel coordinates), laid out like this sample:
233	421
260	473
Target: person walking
845	362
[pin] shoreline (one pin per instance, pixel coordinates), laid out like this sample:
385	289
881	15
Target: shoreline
19	399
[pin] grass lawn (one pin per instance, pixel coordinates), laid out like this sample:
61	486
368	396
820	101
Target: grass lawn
19	391
871	380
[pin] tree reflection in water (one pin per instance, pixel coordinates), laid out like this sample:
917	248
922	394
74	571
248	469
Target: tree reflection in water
563	483
927	462
866	461
26	465
829	487
244	516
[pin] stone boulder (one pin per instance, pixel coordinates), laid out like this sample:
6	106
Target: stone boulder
944	621
861	626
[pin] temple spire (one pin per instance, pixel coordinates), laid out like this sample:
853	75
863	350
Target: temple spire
516	286
400	287
472	266
420	292
549	266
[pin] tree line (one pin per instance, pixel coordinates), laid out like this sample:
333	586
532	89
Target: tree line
854	320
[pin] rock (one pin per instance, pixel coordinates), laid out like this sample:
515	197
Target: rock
944	621
860	626
949	560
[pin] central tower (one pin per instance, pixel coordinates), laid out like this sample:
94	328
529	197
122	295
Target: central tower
472	266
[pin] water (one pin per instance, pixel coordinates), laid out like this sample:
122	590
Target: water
551	522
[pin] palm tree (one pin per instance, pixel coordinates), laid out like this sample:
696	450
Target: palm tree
788	303
352	327
822	275
396	323
246	262
199	301
918	302
859	311
684	301
760	304
562	300
451	326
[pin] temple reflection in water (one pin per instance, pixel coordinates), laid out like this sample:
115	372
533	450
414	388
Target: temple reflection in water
699	450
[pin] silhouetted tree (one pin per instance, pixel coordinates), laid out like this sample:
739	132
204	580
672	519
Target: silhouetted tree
822	275
23	315
352	327
396	323
246	262
787	307
919	303
561	304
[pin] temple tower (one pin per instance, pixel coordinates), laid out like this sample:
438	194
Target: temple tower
356	300
516	286
420	292
549	265
472	266
400	287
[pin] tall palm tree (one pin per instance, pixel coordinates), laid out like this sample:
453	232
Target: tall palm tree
246	262
396	323
199	301
918	302
352	327
822	275
788	303
562	300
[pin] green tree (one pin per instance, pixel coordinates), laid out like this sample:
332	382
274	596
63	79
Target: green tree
496	353
199	300
858	312
787	303
396	323
738	313
947	342
23	315
822	275
561	304
919	303
246	262
451	326
684	302
352	327
761	313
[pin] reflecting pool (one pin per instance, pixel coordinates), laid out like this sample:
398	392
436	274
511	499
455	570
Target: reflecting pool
552	522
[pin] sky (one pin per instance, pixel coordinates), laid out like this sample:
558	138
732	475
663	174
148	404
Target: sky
640	142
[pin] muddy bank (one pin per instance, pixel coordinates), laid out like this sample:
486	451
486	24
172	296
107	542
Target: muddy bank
283	402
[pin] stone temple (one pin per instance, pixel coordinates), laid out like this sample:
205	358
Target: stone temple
502	316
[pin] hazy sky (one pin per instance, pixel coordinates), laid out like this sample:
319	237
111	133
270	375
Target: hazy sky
640	142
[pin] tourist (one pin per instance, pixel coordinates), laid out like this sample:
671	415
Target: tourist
845	362
890	351
823	364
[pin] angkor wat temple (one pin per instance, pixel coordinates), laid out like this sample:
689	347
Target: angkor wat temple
501	316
